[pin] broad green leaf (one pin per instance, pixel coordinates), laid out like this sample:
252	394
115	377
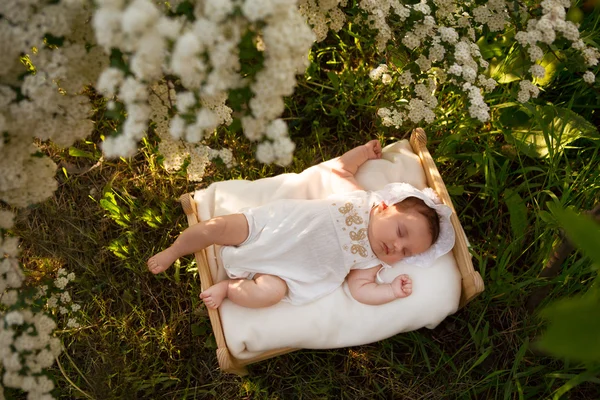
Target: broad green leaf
581	230
514	118
573	329
518	213
550	130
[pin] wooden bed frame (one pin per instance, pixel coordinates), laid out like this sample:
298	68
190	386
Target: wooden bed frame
471	284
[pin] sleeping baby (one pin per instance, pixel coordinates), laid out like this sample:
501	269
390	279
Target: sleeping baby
301	250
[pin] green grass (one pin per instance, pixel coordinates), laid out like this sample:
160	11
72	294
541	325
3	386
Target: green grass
146	336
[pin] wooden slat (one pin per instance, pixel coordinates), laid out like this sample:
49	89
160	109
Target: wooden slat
472	284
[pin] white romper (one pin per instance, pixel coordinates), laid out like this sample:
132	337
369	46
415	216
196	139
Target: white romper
310	244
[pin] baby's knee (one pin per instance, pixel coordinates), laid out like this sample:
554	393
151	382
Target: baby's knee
274	288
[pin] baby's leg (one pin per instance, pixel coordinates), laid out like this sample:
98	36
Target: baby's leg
262	291
229	230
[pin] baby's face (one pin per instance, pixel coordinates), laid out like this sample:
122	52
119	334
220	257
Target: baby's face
394	235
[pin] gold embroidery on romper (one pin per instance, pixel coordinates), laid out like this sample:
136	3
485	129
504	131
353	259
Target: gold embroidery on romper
356	248
360	235
353	218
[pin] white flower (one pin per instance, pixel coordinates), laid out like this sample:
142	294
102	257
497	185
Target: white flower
455	69
14	318
386	79
52	301
139	16
61	282
185	101
535	53
133	91
177	127
537	71
10	297
109	81
423	63
527	90
277	129
6	218
448	35
376	73
65	297
265	152
72	323
591	56
405	78
589	77
411	41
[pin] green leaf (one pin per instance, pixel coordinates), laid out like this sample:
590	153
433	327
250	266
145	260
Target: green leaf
335	80
75	152
514	118
455	190
574	329
550	130
518	213
198	330
581	230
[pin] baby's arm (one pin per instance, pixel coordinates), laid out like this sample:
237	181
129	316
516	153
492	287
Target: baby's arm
365	289
347	165
226	230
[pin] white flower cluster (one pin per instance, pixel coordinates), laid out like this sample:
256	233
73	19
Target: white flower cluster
287	40
493	14
11	275
378	11
391	117
7	219
205	55
589	77
323	16
62	302
526	91
49	105
381	72
176	151
545	30
27	348
443	56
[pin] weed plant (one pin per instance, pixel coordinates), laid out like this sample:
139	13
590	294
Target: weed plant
148	337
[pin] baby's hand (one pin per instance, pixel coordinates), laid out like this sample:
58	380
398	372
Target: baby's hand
373	149
402	286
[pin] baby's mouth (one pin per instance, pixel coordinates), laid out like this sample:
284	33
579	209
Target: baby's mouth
385	248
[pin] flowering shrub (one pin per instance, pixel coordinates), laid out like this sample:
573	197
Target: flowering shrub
27	344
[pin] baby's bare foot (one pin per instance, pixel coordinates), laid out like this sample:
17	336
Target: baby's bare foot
402	286
161	261
214	295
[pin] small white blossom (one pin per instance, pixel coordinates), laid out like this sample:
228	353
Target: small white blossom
14	318
589	77
537	71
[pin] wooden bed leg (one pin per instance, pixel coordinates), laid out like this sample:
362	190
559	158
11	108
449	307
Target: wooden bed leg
228	364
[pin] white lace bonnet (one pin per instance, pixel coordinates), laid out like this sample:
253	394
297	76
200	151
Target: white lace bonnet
396	192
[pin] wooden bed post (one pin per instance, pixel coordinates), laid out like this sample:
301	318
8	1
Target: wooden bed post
471	283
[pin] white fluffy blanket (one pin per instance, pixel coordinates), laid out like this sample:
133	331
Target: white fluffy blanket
336	320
